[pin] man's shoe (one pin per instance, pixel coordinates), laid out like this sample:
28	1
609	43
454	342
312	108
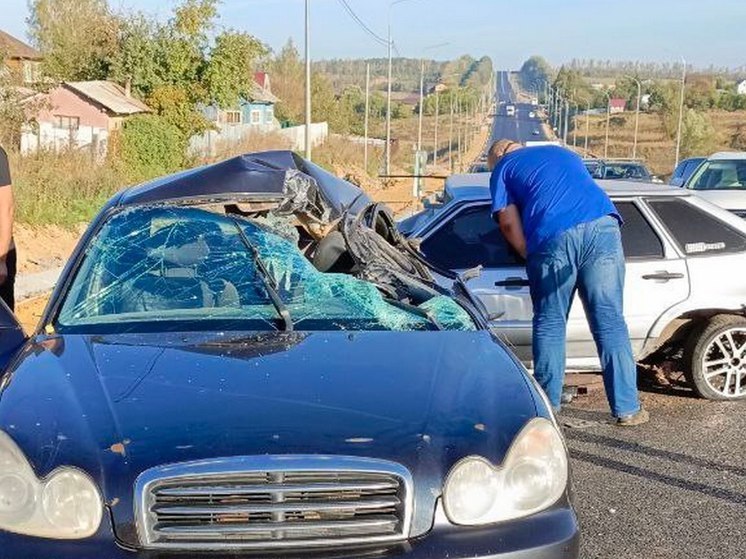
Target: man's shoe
638	418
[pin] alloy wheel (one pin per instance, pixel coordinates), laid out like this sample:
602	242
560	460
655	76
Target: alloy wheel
724	363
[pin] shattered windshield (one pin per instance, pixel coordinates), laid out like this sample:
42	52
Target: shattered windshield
173	268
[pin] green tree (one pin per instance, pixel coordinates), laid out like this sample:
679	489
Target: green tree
77	37
697	134
288	78
180	65
535	70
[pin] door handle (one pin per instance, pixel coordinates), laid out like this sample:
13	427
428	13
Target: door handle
512	283
663	276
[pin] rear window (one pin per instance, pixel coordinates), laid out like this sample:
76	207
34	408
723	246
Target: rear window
696	231
639	239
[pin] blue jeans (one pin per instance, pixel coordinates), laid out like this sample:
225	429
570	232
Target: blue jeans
587	258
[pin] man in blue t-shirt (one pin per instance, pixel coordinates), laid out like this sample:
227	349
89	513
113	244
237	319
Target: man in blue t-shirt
554	214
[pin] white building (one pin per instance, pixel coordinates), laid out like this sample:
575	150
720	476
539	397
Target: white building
741	87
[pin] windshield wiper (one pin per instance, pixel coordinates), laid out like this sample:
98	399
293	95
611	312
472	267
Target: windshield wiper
269	283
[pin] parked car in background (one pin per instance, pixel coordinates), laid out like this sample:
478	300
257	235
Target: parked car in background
479	167
620	170
684	170
721	179
248	359
681	289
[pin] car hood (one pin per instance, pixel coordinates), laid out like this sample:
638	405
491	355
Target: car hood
118	405
728	199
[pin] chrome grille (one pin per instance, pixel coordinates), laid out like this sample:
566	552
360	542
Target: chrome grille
316	501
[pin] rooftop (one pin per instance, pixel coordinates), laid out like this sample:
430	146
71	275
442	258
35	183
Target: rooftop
109	95
728	155
15	48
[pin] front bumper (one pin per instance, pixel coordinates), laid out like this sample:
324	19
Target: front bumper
552	534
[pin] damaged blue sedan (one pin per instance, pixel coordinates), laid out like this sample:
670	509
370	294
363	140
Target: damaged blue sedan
247	358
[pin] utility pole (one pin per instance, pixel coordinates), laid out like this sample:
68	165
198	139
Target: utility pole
681	114
450	137
308	81
422	98
587	123
388	107
437	114
367	110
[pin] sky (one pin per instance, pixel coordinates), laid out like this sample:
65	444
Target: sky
702	32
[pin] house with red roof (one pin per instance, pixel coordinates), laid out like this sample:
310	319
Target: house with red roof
617	105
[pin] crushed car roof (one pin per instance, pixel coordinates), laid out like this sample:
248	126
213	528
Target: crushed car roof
280	176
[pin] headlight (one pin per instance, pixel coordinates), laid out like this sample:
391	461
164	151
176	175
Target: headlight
67	505
532	477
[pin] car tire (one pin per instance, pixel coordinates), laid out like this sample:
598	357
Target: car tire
715	358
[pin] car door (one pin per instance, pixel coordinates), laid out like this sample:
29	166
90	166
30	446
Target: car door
467	237
11	336
656	279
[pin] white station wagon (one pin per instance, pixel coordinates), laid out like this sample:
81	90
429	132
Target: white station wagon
684	287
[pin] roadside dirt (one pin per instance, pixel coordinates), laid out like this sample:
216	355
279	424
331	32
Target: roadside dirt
43	248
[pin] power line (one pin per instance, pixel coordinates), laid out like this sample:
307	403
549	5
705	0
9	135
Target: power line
362	24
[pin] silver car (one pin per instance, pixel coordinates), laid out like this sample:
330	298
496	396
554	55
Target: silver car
721	179
682	289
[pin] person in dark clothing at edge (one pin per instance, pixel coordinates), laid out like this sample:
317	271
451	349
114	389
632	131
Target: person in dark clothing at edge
553	213
7	248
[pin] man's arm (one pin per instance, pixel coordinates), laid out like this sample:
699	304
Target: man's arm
6	214
512	228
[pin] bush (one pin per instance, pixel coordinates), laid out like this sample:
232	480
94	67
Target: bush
64	188
150	146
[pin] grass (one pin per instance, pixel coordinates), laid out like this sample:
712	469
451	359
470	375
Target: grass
64	188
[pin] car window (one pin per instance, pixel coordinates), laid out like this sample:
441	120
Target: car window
695	230
720	175
470	238
639	239
176	268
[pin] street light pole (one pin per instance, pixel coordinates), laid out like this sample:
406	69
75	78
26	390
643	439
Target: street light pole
307	136
567	120
637	115
681	113
608	120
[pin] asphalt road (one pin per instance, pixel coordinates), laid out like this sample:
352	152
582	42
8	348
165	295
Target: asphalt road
673	488
522	127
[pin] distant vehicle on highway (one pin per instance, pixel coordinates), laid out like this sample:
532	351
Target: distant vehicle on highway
620	169
532	114
535	132
509	110
721	179
682	288
684	170
213	378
